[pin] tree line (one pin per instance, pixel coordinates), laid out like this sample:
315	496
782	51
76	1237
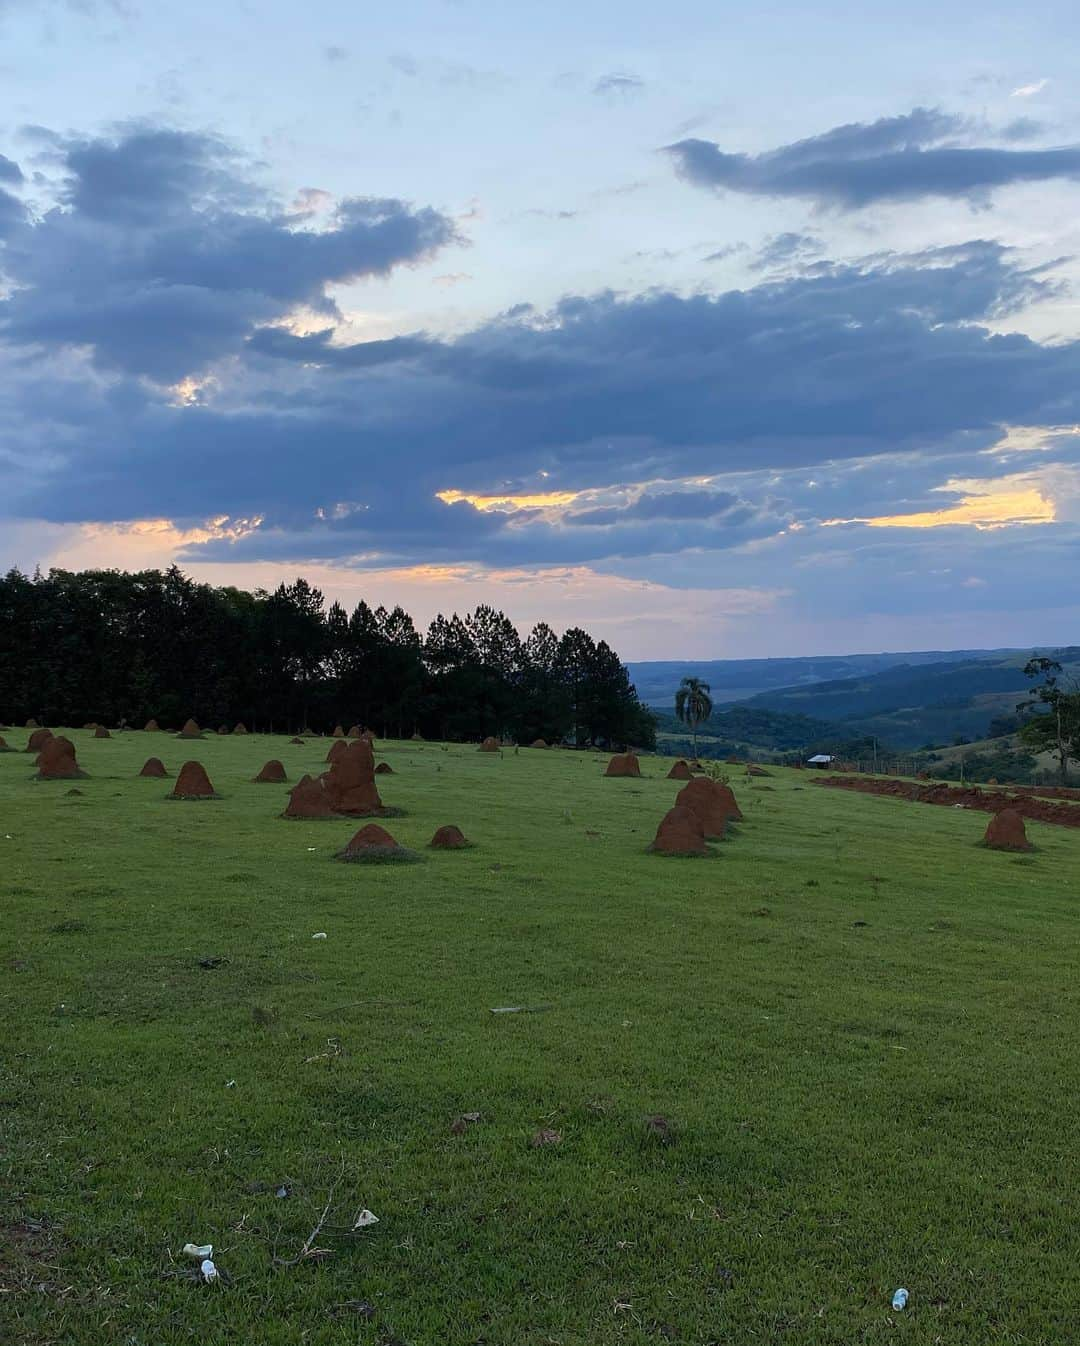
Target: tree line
116	647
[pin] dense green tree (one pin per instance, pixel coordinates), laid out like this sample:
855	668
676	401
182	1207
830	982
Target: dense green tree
1057	728
693	705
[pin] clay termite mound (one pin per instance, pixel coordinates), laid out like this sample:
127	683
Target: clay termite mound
298	742
337	751
373	845
31	724
153	766
56	761
369	736
680	771
190	730
757	771
350	782
384	769
239	728
338	731
273	773
151	727
38	739
193	783
355	731
223	729
538	743
448	838
307	799
1005	832
713	803
102	732
681	832
624	764
489	745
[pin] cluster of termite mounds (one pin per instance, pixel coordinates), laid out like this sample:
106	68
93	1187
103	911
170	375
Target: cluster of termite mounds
347	788
702	810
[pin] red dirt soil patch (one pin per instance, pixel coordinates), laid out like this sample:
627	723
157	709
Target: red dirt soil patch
680	833
489	745
623	764
153	766
384	769
448	838
193	783
680	771
307	799
38	739
273	773
56	761
969	797
1005	832
350	782
190	730
337	751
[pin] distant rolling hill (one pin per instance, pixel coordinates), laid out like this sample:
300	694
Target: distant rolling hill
741	679
911	704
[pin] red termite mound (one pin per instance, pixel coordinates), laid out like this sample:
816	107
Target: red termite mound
370	839
680	833
1005	832
680	771
31	724
337	751
384	769
102	732
299	742
273	773
193	783
713	803
56	761
448	838
757	771
190	730
152	727
624	764
223	728
239	728
489	745
38	739
153	766
538	743
369	736
354	731
307	799
350	782
338	731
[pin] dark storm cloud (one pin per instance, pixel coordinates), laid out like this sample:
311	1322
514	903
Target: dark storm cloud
922	153
341	448
170	255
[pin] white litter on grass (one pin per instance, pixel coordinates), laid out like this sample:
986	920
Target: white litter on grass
209	1271
364	1219
230	1084
312	848
200	1251
320	935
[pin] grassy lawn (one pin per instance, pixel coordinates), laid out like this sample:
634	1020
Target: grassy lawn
861	1026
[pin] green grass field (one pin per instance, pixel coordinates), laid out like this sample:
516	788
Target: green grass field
861	1026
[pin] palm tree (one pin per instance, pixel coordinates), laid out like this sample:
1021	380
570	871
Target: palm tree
693	705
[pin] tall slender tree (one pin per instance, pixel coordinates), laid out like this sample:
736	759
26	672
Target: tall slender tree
693	705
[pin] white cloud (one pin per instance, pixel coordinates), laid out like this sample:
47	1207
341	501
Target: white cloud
1030	90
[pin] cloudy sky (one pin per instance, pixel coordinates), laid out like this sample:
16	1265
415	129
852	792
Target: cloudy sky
723	330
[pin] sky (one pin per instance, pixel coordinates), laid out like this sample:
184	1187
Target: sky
722	331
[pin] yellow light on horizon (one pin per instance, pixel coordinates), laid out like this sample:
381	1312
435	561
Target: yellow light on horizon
998	510
527	500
